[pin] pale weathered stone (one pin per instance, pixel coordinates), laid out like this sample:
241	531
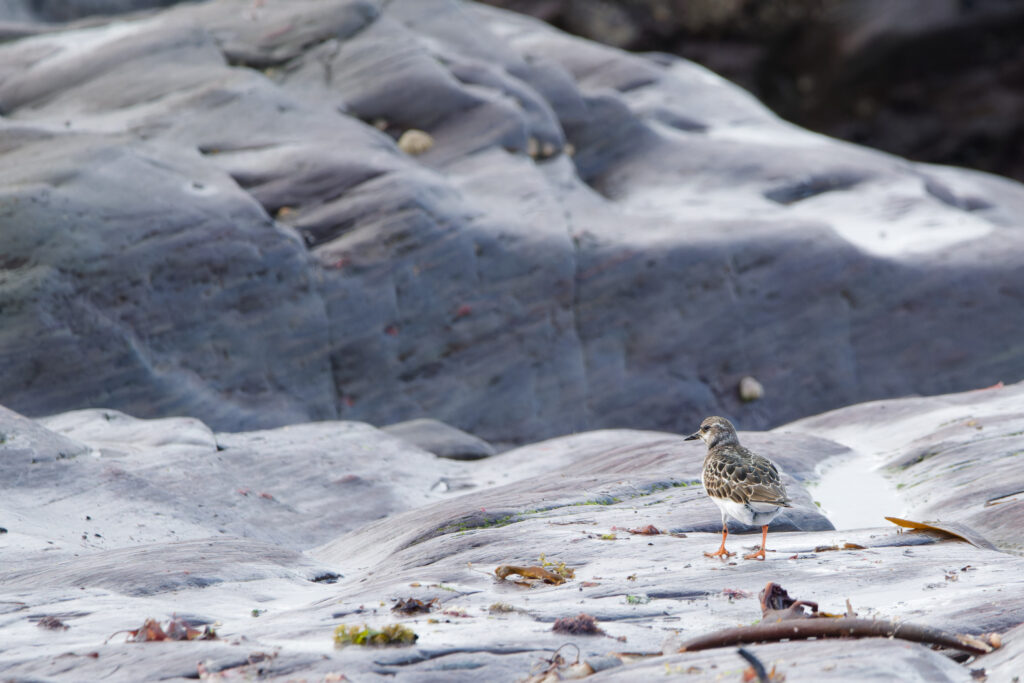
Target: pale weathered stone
279	536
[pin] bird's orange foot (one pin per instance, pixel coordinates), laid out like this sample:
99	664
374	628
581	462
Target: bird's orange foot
721	552
759	555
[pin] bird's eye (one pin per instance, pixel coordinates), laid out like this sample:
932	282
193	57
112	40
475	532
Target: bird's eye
704	428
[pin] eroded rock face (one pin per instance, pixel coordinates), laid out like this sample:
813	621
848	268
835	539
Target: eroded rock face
278	536
206	213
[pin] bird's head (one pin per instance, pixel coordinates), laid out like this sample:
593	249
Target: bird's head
715	431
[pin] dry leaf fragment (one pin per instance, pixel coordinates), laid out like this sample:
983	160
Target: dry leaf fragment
649	530
177	629
534	572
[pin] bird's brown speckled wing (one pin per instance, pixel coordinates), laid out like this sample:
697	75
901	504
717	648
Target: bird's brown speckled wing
735	473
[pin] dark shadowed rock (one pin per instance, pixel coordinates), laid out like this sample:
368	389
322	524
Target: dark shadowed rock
934	81
205	212
70	10
440	439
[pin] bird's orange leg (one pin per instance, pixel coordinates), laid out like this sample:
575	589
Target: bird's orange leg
759	555
721	552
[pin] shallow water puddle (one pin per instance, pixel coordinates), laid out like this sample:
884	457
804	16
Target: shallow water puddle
854	494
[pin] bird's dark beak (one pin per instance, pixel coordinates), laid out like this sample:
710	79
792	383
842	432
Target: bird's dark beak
691	437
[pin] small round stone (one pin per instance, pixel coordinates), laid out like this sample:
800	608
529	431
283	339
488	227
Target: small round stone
750	389
415	141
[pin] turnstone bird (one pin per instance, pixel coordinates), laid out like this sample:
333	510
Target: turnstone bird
744	485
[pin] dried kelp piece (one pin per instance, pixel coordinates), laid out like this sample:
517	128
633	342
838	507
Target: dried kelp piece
177	629
649	530
843	627
558	668
785	619
581	624
845	546
776	605
356	634
954	529
506	570
413	606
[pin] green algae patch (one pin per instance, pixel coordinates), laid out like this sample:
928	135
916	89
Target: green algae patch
355	634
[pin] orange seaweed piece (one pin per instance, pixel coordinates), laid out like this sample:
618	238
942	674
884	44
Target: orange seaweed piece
954	529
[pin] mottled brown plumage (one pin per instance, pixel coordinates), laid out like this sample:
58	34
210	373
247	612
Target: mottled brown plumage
744	485
736	473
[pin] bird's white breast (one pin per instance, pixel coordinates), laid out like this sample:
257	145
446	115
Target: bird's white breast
756	514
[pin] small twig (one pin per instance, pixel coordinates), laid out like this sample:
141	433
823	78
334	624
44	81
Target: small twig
843	627
567	645
755	663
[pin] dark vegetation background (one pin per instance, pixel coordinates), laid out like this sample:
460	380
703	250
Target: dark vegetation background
940	81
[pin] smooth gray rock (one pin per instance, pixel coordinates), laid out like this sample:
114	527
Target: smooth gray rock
440	439
279	536
201	217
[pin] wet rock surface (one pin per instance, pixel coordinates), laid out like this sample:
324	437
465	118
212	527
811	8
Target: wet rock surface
968	468
277	537
207	208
